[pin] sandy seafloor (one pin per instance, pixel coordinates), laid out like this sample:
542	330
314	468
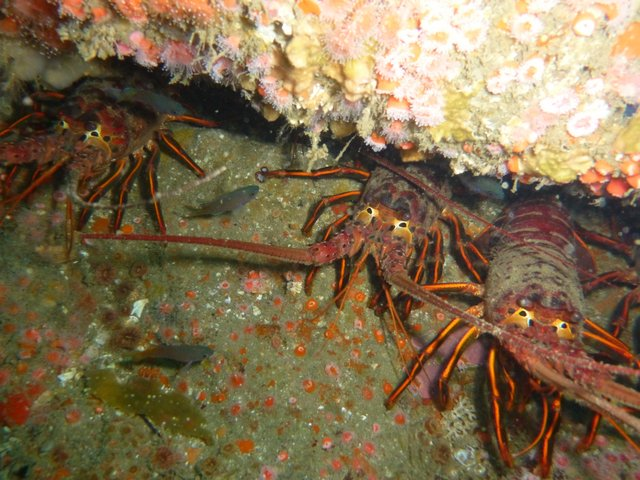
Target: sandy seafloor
62	318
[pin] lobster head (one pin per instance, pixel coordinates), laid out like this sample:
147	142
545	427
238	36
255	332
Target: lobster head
541	320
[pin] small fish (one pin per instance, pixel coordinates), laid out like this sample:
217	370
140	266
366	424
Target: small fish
487	187
177	353
225	203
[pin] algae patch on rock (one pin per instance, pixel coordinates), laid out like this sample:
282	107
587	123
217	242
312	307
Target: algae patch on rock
139	396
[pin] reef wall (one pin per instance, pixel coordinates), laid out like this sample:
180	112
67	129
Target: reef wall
545	90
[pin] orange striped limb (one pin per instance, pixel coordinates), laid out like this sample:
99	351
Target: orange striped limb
166	140
99	191
626	276
427	352
496	408
324	203
200	122
543	427
42	178
437	254
630	300
475	289
583	234
152	185
9	128
430	259
590	436
400	334
320	173
546	446
442	397
463	246
136	162
610	341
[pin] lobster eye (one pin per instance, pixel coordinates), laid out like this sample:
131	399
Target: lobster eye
366	216
576	317
563	329
401	230
522	318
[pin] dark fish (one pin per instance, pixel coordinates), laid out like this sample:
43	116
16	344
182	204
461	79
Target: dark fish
488	187
225	203
177	353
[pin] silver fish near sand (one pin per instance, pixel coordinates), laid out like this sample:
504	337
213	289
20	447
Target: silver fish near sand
178	353
225	203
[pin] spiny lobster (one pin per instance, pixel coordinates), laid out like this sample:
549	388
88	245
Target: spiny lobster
398	208
104	134
533	292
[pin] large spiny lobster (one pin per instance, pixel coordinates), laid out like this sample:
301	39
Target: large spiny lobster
396	211
390	221
105	135
533	293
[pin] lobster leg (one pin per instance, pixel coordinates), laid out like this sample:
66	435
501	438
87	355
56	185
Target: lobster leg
136	160
546	447
609	340
98	191
419	361
630	300
616	276
430	349
200	122
264	173
443	390
460	241
152	185
324	203
166	139
8	129
16	199
496	412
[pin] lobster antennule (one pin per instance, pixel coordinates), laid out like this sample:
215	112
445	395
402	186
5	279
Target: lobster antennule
297	255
